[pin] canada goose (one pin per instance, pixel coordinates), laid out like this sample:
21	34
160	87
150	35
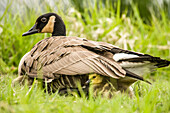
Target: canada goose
62	60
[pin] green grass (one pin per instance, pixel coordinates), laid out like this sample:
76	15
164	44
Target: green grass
155	98
102	25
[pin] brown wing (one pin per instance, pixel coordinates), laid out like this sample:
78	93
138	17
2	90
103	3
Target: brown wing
69	56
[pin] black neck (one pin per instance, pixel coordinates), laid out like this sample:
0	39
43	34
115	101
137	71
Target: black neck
58	34
59	28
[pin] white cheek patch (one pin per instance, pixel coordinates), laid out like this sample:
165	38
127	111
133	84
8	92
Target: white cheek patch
50	26
121	56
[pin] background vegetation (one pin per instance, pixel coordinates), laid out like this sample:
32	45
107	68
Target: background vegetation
134	25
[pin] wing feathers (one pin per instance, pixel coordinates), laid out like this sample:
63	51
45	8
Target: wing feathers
73	56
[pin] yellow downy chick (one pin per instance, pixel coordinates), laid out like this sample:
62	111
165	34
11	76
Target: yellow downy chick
102	85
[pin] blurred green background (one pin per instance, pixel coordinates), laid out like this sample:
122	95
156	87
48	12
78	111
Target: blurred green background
138	25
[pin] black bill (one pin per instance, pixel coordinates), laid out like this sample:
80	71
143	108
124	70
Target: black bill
33	30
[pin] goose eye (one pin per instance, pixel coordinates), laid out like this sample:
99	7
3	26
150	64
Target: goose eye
43	19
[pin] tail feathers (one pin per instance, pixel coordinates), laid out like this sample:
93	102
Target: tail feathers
121	55
142	59
135	76
163	63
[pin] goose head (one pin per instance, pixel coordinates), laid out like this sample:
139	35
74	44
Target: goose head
48	23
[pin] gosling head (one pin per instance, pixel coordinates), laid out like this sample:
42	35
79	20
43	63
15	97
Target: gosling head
48	23
95	79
